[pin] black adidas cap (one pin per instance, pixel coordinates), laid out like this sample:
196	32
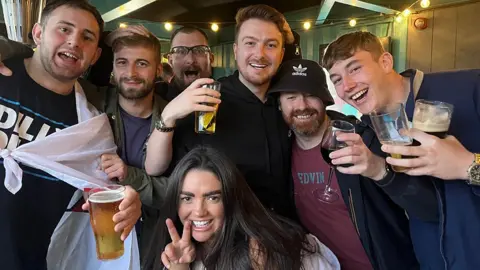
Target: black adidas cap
302	75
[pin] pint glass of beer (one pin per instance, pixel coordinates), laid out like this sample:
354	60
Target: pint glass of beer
388	123
432	117
205	122
104	203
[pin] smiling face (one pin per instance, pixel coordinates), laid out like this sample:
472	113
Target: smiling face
258	51
135	70
187	68
361	80
67	42
303	113
201	203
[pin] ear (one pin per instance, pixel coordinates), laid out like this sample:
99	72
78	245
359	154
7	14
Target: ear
96	56
170	61
212	57
37	34
283	54
235	50
386	62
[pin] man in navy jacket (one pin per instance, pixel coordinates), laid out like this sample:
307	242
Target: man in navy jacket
363	75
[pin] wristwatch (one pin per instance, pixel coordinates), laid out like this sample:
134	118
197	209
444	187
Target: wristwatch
474	171
160	126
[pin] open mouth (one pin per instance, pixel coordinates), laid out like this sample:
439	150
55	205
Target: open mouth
201	224
68	56
304	117
359	96
191	73
258	66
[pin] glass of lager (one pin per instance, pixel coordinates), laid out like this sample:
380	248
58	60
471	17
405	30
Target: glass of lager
388	123
432	117
104	203
205	122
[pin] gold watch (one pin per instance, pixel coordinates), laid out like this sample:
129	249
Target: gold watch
474	171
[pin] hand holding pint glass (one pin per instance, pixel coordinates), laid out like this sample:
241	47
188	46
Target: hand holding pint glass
104	204
389	124
205	122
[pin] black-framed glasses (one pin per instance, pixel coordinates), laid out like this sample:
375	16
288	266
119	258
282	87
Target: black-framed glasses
196	50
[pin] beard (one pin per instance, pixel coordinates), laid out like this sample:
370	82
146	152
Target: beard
188	74
134	93
305	128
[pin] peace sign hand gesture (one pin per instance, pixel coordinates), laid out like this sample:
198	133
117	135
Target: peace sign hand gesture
180	250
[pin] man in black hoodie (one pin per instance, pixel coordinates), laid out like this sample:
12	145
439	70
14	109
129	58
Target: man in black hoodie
250	129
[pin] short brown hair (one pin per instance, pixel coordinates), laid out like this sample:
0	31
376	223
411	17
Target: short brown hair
136	40
347	45
52	5
264	13
188	30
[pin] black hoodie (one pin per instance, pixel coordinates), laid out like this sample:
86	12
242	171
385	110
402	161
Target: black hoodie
254	136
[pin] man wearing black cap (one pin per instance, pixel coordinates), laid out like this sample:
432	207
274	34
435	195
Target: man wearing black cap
365	230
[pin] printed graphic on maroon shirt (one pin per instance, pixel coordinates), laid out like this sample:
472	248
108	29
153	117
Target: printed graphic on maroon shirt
330	222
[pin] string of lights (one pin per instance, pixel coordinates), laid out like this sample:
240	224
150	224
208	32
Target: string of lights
307	24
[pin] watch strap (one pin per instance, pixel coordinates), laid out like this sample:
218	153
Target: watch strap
160	126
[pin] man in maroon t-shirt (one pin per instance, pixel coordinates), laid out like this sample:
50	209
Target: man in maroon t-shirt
304	111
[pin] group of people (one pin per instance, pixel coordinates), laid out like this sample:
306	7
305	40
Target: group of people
245	197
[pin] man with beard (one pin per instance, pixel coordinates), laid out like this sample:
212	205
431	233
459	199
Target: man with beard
190	58
40	97
249	127
363	75
134	111
364	228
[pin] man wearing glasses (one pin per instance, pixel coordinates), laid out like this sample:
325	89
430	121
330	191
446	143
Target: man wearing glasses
190	58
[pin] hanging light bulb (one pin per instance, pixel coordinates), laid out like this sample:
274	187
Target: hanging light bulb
425	3
406	12
122	25
399	19
168	26
307	25
352	22
214	27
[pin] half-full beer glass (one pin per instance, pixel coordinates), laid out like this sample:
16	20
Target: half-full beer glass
432	117
388	123
104	203
205	122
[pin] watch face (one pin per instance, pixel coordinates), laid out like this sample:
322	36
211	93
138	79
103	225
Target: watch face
474	173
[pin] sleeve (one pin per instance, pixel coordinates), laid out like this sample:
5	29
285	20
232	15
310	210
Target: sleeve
151	188
416	194
476	93
10	49
321	258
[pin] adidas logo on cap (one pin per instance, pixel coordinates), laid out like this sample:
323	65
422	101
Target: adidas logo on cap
299	71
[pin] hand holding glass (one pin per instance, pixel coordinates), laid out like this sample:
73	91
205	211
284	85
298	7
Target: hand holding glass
205	122
104	203
329	144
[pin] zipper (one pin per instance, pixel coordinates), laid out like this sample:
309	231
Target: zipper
352	211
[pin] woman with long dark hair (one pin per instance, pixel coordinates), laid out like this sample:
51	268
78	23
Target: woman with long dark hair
208	200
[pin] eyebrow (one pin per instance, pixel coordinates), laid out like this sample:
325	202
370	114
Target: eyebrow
254	38
73	25
353	62
210	193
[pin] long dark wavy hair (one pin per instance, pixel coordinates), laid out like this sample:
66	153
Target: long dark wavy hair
281	243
